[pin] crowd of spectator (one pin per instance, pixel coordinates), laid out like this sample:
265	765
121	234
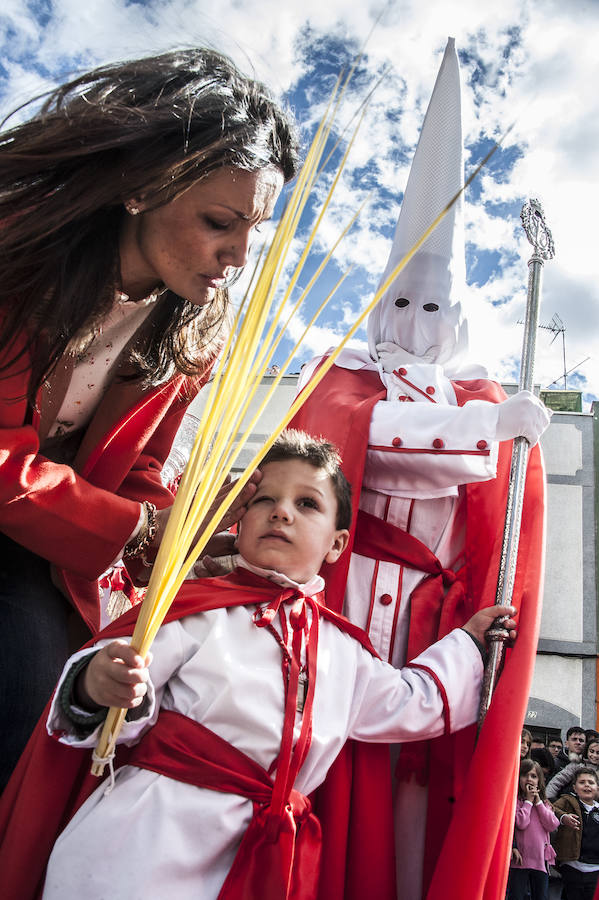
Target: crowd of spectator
555	851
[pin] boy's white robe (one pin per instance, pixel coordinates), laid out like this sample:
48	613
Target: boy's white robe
156	837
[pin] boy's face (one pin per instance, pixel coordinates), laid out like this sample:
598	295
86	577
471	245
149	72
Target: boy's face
585	788
290	525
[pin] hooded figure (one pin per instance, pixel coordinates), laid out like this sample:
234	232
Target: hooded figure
420	436
420	312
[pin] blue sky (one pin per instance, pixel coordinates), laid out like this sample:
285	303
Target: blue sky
530	61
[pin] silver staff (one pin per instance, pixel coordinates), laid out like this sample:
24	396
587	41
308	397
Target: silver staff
540	237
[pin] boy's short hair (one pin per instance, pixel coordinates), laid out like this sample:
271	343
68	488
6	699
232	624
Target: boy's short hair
575	729
293	444
586	770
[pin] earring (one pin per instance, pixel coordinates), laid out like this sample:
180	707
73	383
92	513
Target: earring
132	208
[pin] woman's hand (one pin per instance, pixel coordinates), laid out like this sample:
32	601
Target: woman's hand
116	676
221	546
238	507
516	856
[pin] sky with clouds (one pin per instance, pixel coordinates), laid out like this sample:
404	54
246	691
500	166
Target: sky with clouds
528	62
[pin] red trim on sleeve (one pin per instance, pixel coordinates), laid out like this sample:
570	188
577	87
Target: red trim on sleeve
441	689
391	449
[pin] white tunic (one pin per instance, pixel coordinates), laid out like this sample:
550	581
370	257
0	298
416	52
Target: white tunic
156	837
422	449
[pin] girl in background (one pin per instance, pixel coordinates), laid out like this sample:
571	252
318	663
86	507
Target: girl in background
525	744
535	820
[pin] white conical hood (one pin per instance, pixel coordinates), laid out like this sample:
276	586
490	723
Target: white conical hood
436	275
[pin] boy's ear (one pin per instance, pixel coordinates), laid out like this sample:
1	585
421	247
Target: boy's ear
340	542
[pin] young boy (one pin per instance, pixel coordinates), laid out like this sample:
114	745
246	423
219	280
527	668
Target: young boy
577	841
257	675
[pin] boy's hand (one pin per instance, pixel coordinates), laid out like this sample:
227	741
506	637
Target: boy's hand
215	567
116	676
570	821
481	621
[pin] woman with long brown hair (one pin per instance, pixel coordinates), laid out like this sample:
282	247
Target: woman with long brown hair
126	205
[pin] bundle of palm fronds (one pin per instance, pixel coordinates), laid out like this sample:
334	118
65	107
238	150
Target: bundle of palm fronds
253	339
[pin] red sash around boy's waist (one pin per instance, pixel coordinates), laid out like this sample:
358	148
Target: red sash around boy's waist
436	602
265	868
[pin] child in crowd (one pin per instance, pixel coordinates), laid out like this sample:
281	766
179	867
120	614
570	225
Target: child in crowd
534	822
561	783
251	691
577	841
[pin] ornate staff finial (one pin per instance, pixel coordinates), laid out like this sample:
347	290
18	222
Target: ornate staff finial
537	230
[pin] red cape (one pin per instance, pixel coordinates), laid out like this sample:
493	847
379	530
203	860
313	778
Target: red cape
471	811
52	780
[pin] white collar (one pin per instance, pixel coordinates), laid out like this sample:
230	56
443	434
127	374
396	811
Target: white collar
313	586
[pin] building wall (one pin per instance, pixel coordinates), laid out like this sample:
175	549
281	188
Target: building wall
564	690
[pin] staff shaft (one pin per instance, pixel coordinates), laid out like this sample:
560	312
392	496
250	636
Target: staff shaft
540	237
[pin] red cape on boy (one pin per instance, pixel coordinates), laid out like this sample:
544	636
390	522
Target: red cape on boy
52	780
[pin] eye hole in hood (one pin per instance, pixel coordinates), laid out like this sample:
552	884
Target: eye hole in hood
401	302
431	307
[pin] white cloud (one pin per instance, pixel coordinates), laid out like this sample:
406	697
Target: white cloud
529	61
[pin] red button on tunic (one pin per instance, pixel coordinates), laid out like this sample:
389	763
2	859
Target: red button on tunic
438	444
482	445
397	442
386	599
430	389
403	398
402	371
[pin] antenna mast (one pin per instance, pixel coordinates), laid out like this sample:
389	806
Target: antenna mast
556	326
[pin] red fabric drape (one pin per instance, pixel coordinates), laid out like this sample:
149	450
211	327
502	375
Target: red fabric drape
471	812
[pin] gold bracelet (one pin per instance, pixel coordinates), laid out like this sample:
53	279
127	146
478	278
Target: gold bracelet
146	534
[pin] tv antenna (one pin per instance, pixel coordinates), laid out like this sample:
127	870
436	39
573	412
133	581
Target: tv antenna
556	326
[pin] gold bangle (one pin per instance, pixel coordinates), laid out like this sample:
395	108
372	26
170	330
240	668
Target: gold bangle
146	534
